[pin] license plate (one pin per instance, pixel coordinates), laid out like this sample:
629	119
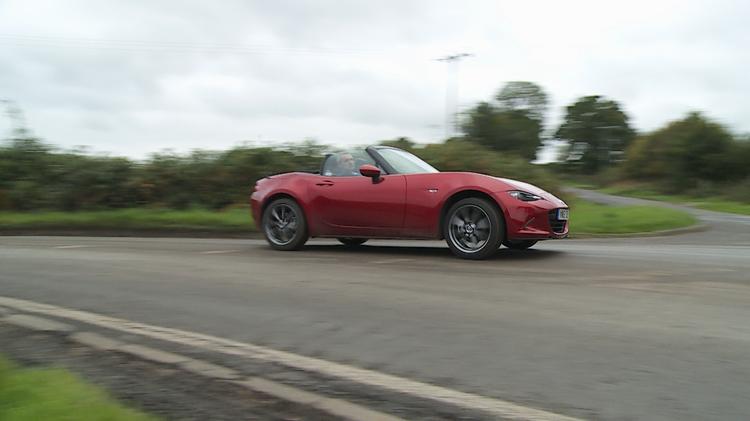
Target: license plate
562	214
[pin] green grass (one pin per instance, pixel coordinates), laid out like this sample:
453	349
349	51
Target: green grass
580	184
55	394
721	205
591	218
138	219
709	203
586	218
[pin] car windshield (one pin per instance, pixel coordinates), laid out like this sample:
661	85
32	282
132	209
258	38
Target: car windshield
404	162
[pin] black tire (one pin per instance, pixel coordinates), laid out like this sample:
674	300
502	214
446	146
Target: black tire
519	244
352	242
474	228
284	225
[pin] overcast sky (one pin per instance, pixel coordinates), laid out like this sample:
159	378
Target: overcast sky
135	77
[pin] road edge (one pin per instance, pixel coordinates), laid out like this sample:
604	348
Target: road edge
498	408
333	406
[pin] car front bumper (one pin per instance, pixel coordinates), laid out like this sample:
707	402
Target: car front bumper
536	220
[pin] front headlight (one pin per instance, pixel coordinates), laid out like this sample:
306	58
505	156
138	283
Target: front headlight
524	196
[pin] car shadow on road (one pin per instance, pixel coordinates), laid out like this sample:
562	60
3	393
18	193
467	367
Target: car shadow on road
413	251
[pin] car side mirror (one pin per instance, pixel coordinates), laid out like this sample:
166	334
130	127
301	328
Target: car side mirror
370	171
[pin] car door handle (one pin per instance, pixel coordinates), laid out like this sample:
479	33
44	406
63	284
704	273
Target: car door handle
325	183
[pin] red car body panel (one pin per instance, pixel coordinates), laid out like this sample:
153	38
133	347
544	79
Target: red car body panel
405	205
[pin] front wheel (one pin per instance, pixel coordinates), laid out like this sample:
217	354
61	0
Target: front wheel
352	242
473	228
519	244
284	225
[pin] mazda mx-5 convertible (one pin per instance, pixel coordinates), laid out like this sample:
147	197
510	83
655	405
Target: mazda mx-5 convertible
384	192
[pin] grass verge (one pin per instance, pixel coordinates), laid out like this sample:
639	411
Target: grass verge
132	219
56	394
587	218
592	218
709	203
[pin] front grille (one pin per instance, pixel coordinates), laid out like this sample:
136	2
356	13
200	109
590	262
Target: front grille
557	225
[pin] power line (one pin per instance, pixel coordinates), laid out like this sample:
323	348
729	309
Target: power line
171	46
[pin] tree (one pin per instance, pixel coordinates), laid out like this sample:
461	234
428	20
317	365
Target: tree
685	152
400	142
480	125
513	123
597	132
525	98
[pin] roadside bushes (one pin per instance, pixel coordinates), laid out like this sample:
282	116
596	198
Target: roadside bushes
689	155
34	176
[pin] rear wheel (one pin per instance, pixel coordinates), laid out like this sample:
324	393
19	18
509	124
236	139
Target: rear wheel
473	228
519	244
284	225
352	242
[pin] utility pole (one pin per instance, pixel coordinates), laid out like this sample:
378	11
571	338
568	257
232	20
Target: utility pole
15	117
451	92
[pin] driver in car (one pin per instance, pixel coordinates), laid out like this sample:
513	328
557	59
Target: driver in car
345	165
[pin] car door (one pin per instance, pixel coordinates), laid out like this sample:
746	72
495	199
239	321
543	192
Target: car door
359	205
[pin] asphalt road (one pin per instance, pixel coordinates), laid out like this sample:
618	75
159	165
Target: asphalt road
615	329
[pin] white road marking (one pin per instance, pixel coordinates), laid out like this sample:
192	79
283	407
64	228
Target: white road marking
71	247
219	251
496	407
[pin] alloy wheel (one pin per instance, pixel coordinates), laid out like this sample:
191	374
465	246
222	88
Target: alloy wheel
470	228
281	226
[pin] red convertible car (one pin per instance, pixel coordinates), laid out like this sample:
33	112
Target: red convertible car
384	192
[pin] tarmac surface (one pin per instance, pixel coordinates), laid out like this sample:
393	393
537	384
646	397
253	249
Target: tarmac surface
616	329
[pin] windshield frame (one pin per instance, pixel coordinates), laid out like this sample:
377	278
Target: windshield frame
374	151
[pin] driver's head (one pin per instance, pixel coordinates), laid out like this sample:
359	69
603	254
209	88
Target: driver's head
346	162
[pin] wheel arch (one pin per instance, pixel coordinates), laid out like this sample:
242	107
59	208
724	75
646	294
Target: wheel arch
279	195
465	194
